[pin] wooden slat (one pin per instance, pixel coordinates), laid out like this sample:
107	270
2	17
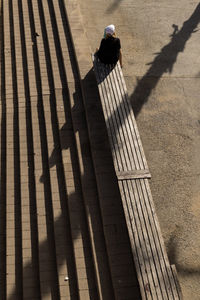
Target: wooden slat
101	91
134	174
156	256
179	292
125	144
114	118
131	114
169	281
137	242
136	210
131	138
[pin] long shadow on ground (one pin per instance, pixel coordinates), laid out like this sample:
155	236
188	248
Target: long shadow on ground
164	61
113	6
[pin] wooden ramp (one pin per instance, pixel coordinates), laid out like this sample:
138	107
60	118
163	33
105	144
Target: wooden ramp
157	278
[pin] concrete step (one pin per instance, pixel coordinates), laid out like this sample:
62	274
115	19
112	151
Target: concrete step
55	247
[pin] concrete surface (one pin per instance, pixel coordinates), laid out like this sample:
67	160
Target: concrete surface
160	43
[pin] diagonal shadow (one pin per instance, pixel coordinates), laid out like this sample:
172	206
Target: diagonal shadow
113	6
172	253
164	61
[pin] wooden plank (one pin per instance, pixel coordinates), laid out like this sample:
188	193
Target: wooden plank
131	200
124	151
133	174
141	247
157	258
129	112
113	118
115	153
179	292
126	144
126	122
148	245
123	84
130	119
135	244
111	123
169	282
116	158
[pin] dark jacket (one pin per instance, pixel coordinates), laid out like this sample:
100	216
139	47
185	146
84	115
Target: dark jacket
109	50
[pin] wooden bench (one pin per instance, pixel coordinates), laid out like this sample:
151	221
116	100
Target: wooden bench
157	278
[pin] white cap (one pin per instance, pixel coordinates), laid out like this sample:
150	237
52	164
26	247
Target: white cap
110	29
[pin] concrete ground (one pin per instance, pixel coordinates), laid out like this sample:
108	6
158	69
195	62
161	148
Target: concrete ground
160	44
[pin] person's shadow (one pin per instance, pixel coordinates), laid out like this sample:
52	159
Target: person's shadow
113	6
164	61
